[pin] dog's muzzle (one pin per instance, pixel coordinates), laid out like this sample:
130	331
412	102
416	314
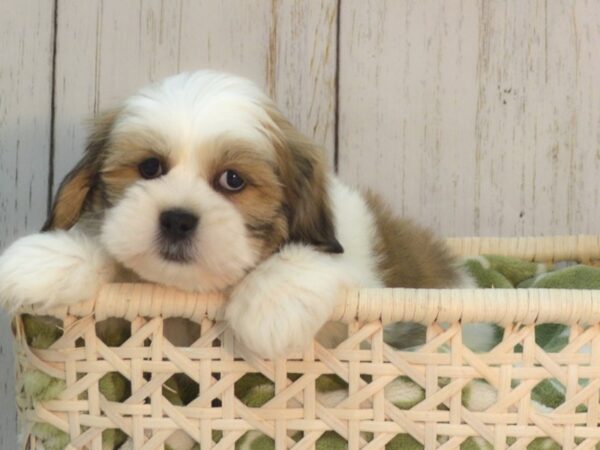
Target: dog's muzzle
177	227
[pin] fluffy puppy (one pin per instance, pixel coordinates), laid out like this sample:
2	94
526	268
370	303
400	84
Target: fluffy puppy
199	182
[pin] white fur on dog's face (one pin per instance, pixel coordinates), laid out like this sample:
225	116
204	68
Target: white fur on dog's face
191	122
216	256
196	128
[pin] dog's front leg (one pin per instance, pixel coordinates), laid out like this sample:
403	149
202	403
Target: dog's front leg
279	306
57	267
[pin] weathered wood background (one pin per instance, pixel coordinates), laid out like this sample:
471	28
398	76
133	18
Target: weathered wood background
474	117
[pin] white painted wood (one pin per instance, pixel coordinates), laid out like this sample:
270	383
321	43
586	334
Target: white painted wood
305	66
25	100
108	49
474	117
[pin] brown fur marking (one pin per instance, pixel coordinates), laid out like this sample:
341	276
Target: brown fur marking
303	174
74	191
409	256
260	200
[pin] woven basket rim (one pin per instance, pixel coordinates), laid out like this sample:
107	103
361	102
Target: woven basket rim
581	247
426	306
501	306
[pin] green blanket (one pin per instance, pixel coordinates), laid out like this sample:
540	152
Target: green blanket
255	390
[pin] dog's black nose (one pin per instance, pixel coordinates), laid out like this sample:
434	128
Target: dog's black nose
177	224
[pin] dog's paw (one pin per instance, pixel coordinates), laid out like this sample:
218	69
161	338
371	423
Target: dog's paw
52	268
279	307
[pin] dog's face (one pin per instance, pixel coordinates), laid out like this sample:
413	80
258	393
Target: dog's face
195	180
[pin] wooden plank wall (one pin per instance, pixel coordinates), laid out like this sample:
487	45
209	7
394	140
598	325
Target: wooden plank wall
25	130
108	49
474	117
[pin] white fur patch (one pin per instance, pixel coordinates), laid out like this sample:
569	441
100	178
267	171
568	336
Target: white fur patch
53	268
189	110
220	251
279	306
356	230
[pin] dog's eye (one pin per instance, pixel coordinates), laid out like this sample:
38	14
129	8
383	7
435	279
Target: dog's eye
231	181
150	168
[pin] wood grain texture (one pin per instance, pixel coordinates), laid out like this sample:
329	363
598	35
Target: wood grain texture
26	29
476	118
108	49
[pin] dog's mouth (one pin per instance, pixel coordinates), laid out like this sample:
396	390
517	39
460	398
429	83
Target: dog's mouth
180	252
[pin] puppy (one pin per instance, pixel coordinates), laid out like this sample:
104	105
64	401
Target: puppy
200	183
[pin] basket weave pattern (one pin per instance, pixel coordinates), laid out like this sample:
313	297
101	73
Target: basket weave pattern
216	361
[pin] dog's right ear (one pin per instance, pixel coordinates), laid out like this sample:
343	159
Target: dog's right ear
79	183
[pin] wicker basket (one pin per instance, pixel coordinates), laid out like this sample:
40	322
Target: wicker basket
149	418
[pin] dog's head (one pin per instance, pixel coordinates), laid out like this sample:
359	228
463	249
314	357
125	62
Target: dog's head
193	181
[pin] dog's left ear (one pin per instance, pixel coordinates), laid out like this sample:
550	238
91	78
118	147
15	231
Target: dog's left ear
302	166
78	185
